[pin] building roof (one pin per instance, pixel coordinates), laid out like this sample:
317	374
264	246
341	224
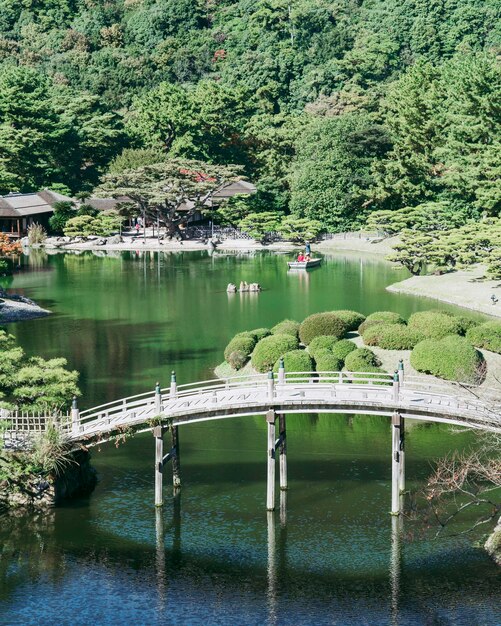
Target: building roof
19	205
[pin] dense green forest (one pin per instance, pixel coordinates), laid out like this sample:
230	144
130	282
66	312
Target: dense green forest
334	109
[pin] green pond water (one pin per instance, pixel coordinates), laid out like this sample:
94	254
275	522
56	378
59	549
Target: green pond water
332	555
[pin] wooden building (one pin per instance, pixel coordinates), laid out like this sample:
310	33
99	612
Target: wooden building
20	210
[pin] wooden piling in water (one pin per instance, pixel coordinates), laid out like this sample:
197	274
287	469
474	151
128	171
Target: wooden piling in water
283	451
176	461
270	491
159	464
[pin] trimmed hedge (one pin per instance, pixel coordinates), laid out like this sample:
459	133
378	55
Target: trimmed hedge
352	319
380	317
393	336
466	323
325	361
360	359
321	324
322	343
271	348
287	327
342	348
451	358
435	324
237	359
296	361
243	342
260	333
487	335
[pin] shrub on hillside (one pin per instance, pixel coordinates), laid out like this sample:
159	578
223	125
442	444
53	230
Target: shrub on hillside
271	348
287	327
360	359
380	317
260	333
342	348
352	319
451	358
435	324
296	361
321	324
487	335
237	359
322	343
392	336
325	361
243	342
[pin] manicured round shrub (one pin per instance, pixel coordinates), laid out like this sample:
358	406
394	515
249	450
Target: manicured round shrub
435	324
393	336
325	361
321	324
237	359
287	327
352	319
487	335
296	361
260	333
243	342
360	359
380	317
322	343
342	348
466	323
271	348
451	358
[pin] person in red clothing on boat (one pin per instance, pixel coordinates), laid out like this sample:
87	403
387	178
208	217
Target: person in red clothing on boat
300	257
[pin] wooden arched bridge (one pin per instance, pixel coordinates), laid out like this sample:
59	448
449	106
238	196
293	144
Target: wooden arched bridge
275	396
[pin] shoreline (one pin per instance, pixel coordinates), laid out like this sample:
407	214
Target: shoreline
464	288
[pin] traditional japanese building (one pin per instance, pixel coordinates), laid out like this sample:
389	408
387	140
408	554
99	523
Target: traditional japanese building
20	210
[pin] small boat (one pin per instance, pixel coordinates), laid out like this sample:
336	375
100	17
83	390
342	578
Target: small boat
304	265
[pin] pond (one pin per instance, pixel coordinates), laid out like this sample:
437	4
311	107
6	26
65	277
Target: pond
333	555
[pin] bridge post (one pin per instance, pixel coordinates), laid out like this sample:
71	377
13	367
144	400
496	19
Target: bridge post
283	451
270	490
396	386
401	478
396	461
271	385
75	417
159	464
281	371
173	385
158	400
401	371
176	462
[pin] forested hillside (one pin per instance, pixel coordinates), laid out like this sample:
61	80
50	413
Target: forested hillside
333	108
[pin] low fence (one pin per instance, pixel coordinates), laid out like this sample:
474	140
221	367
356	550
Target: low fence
228	232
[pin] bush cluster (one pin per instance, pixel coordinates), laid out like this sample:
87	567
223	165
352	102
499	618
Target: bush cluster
393	336
271	348
360	359
342	348
260	333
435	324
296	361
321	324
451	358
325	361
487	335
352	319
287	327
380	317
322	343
242	342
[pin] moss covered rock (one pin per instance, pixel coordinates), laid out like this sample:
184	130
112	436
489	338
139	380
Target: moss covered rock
487	336
321	324
451	358
271	348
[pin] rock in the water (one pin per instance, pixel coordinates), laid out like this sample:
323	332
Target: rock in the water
115	239
243	286
231	288
254	287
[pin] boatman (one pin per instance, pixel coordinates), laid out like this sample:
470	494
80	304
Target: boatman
307	249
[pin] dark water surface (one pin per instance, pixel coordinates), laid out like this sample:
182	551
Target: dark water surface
333	555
